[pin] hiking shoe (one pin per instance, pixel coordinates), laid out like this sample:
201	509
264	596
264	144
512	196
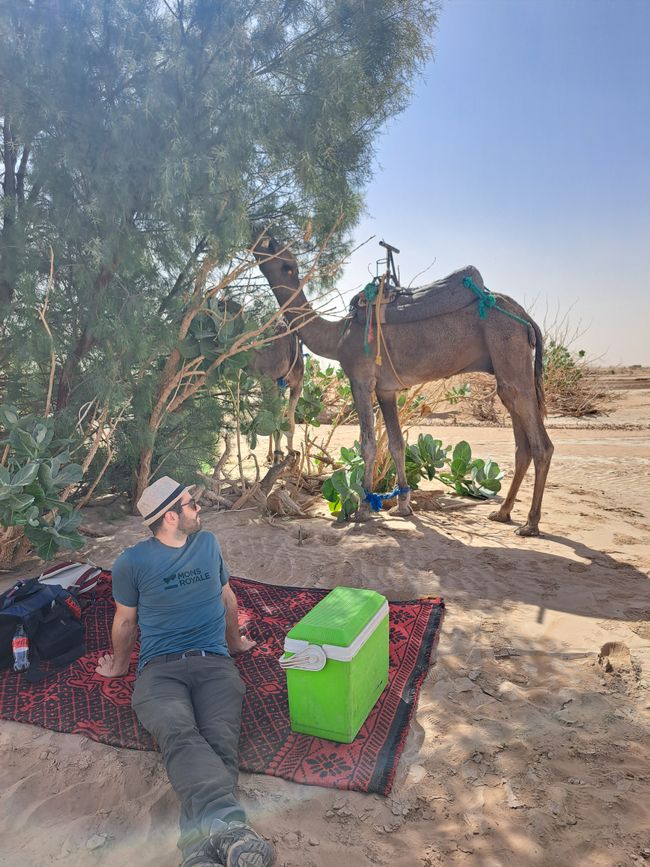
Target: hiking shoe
204	856
238	845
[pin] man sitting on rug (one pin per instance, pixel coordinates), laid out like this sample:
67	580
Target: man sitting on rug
188	692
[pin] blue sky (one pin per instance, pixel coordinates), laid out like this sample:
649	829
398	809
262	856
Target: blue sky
526	152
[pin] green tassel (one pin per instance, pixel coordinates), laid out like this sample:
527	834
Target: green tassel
370	291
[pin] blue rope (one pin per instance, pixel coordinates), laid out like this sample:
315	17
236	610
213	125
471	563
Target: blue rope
376	500
282	383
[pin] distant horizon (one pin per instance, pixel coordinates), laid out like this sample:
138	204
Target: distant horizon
526	152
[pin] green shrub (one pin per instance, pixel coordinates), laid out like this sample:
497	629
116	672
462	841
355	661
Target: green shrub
344	491
424	458
562	370
470	477
456	393
569	388
35	471
186	444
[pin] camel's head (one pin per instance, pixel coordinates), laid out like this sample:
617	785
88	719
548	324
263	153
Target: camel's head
275	261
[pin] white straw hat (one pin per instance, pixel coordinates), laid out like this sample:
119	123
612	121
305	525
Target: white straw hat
159	497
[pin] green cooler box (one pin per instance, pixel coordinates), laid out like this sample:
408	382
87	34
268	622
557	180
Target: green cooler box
336	660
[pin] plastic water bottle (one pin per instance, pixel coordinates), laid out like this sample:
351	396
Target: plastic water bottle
20	647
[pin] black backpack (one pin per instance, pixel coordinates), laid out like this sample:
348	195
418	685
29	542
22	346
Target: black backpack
51	618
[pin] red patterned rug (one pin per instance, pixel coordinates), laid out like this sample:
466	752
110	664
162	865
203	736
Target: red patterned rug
79	701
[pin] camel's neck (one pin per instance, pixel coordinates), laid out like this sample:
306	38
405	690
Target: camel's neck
321	336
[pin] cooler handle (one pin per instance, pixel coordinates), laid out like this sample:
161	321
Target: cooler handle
311	658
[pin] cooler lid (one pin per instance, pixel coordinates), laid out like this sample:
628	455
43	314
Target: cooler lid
339	617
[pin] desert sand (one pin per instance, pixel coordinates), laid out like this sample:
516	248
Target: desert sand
526	748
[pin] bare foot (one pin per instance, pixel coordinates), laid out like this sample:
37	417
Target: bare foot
242	645
499	517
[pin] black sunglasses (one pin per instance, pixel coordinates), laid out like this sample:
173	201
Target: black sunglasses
178	507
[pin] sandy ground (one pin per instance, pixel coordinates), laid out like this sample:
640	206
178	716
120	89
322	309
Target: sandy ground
525	750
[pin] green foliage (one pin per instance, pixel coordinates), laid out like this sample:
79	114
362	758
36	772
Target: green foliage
37	469
457	392
568	387
424	458
344	489
312	400
325	391
213	331
470	477
563	371
417	401
261	409
139	139
185	445
265	423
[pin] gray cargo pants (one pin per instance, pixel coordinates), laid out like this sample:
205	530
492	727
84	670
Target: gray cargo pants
192	707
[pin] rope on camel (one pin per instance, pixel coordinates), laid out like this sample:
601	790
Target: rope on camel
486	300
376	500
371	292
374	292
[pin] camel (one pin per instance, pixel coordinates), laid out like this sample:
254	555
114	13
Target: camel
281	360
422	351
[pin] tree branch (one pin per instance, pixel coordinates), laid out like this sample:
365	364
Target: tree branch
41	314
20	175
183	276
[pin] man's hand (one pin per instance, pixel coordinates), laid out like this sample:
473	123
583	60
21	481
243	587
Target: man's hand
236	642
124	635
241	645
107	668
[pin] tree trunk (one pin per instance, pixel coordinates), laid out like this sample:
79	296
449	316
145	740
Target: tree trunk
85	342
141	477
276	472
167	381
8	252
14	546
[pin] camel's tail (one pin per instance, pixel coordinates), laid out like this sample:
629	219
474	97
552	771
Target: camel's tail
539	365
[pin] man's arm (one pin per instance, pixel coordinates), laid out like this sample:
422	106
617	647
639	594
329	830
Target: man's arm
124	635
236	643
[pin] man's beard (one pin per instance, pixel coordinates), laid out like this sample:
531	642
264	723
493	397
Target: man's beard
189	525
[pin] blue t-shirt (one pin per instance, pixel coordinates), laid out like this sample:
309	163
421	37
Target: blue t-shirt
177	592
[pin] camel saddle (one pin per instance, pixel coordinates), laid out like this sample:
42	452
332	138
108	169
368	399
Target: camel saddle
404	305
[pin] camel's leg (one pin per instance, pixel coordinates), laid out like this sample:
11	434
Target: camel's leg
523	457
269	454
294	397
542	449
362	395
278	454
388	406
523	406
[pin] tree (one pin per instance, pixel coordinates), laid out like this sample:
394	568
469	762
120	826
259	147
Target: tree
141	141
